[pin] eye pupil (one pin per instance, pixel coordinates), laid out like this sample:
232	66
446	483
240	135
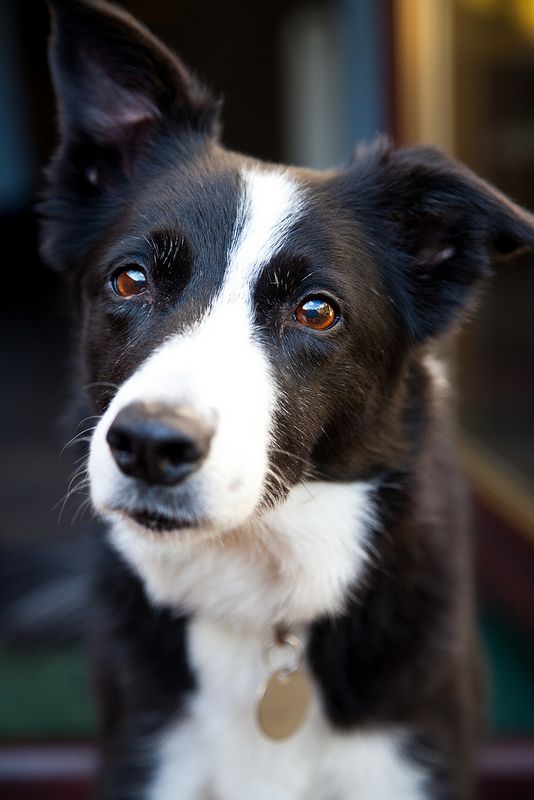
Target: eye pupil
316	313
129	282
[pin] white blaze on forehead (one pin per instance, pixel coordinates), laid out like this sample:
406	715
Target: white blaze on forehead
270	204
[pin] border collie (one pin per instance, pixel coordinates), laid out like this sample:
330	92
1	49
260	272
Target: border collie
283	606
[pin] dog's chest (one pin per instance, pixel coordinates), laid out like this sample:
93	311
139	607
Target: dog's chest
216	751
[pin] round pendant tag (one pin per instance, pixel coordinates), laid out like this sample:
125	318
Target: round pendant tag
283	704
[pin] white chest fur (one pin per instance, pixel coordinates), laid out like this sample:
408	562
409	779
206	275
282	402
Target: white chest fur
217	752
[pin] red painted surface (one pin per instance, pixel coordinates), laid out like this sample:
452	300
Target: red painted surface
66	771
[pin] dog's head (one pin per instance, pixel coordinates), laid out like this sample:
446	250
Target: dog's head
244	325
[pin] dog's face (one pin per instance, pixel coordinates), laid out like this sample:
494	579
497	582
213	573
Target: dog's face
245	326
238	338
249	331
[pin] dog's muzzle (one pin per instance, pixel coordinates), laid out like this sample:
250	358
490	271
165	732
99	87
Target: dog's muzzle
157	443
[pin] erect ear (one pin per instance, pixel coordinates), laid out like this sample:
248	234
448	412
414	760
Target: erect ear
437	227
118	89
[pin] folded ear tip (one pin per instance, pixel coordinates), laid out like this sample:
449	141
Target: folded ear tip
506	245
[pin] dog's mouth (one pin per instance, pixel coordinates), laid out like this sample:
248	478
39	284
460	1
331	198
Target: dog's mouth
160	522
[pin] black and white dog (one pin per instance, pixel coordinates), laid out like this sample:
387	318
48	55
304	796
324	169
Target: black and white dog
271	452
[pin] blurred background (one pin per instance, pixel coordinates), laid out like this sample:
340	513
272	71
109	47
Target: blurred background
304	80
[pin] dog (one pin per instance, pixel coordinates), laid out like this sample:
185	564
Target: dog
283	606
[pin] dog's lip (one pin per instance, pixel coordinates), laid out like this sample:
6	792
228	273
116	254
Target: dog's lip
158	521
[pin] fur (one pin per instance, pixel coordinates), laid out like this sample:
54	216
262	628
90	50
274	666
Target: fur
326	497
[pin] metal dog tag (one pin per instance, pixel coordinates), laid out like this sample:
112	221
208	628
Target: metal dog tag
284	704
284	699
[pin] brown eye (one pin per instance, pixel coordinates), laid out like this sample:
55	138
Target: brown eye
316	313
129	282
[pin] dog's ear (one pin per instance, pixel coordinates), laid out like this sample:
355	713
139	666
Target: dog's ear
436	226
118	90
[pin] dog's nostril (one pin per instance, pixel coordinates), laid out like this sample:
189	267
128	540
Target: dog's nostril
180	452
122	448
158	444
119	440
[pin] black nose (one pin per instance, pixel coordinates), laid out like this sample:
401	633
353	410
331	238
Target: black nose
157	443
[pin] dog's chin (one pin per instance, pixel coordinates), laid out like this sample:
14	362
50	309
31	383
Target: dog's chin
160	523
152	521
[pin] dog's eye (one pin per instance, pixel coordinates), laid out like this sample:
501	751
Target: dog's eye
129	282
317	313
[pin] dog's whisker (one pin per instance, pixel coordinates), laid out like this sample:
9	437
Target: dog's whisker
86	419
83	507
282	484
79	437
79	460
293	456
81	472
78	440
273	472
311	472
81	469
75	489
